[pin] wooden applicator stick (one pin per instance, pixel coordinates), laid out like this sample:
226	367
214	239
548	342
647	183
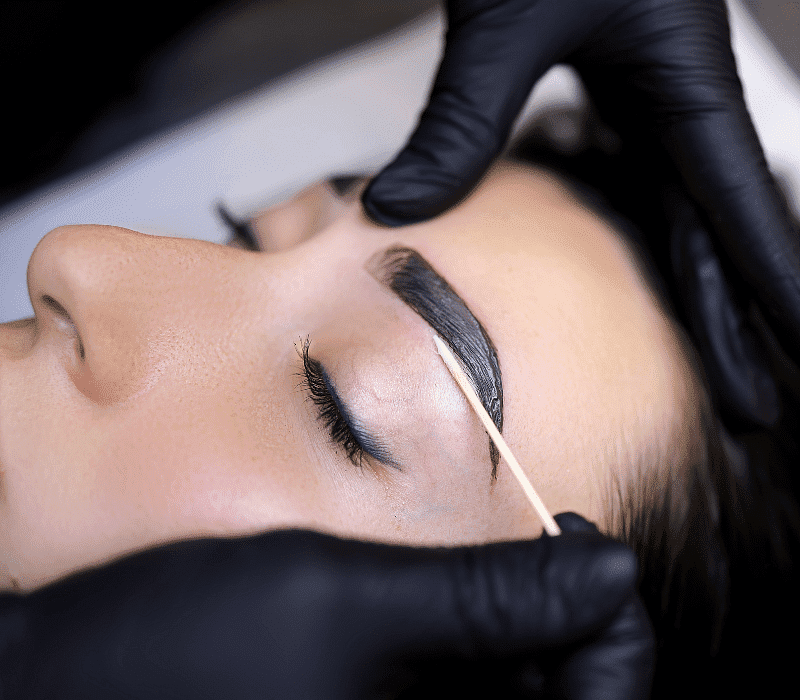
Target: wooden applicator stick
463	382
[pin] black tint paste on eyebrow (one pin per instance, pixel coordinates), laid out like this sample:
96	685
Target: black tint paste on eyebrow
412	279
344	184
240	229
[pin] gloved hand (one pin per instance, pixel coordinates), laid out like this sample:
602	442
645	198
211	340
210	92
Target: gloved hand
662	74
300	614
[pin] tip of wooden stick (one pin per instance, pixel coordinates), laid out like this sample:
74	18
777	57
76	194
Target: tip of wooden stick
550	525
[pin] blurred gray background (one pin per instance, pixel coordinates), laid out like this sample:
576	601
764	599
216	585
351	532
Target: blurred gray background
125	114
780	20
86	80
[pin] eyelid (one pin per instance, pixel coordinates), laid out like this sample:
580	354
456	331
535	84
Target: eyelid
417	284
345	429
371	445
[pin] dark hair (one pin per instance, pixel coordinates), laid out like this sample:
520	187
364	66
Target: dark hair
715	524
715	548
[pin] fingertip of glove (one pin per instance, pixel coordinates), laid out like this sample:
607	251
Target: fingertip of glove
572	522
376	214
381	210
408	191
616	565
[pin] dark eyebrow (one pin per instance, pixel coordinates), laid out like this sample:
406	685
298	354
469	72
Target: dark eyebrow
343	185
240	230
415	282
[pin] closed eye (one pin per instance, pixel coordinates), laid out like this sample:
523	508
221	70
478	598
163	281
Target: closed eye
344	429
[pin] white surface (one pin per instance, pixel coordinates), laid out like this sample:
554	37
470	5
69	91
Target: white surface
772	93
348	114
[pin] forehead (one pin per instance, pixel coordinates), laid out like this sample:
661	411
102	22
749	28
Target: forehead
545	275
584	347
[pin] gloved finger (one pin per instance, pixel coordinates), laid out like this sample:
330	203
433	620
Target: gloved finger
618	663
13	632
721	160
731	350
706	129
518	598
172	618
668	70
494	53
572	522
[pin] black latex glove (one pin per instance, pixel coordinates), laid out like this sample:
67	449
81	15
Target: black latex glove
663	76
298	614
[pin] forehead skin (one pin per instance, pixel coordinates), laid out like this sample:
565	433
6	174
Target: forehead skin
187	418
592	371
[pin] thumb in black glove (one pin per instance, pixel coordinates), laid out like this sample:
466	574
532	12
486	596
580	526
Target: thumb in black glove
302	614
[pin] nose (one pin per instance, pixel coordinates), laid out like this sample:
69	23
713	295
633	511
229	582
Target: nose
129	297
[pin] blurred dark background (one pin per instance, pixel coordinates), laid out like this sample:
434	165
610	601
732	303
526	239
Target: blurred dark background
83	80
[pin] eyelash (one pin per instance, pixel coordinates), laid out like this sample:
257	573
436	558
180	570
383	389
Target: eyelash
328	413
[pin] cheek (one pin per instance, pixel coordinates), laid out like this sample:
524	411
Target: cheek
53	485
89	485
73	502
241	465
448	496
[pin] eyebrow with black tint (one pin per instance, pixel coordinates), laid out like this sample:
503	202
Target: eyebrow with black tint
415	282
241	231
343	185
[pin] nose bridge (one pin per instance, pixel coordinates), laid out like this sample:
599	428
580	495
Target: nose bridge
136	301
146	306
74	264
105	269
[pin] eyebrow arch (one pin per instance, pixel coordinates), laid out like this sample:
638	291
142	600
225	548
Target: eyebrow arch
406	273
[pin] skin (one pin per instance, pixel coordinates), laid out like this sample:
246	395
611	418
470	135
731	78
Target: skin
163	402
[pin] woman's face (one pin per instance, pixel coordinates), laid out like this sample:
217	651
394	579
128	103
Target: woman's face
160	391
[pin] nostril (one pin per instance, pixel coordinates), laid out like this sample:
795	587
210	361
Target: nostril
54	306
62	318
65	322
